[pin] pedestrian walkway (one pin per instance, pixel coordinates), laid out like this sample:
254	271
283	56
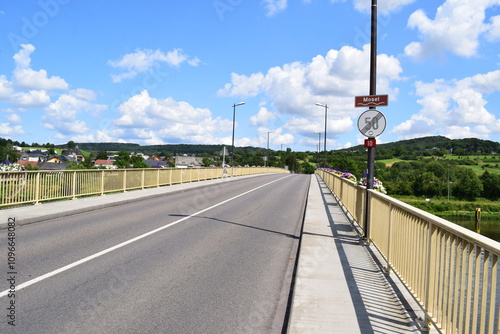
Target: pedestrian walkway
339	287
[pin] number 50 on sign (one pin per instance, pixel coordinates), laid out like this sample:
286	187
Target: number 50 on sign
371	123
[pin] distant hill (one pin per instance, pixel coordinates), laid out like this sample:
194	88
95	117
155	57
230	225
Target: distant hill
167	148
414	146
457	146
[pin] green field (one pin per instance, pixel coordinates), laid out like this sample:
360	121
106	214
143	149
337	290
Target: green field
389	162
442	206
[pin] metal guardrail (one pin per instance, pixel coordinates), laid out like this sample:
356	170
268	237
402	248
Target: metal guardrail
27	187
451	272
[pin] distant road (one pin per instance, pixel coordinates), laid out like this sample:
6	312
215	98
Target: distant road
214	259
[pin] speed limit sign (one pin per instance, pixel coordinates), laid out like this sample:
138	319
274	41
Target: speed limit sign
371	123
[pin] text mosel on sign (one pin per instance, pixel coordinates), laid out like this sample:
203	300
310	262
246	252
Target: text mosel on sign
371	101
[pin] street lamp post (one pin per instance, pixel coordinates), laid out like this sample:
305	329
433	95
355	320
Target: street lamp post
326	120
319	140
267	154
232	144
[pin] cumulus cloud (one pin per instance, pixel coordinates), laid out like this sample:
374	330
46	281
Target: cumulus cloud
100	136
453	108
152	120
338	76
62	115
27	78
273	7
31	99
494	29
456	28
143	60
262	117
6	89
6	129
13	118
333	79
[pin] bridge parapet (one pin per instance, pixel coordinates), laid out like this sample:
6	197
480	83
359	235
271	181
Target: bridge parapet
27	187
451	272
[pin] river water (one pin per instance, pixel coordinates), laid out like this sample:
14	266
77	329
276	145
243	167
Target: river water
489	227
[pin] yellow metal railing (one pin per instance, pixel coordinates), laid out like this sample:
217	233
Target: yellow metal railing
450	271
37	186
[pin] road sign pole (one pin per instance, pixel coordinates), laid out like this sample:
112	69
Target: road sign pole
373	91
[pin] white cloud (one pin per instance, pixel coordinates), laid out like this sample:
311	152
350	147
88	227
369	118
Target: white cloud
31	99
456	28
84	94
273	7
333	79
27	78
6	89
6	129
262	117
13	118
494	29
62	115
143	60
100	136
152	120
453	108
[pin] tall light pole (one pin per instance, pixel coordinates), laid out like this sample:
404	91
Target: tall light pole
267	154
326	120
319	140
232	144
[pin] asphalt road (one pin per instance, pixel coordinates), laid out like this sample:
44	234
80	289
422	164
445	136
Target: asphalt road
215	259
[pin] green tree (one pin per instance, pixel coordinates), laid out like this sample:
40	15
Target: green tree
491	185
102	155
207	162
122	160
427	184
467	185
438	169
138	162
307	168
71	144
8	152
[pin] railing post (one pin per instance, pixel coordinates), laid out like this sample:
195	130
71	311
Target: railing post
74	185
170	177
158	178
142	178
102	182
124	180
424	324
387	270
37	188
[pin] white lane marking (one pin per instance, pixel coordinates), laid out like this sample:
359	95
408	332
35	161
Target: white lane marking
108	250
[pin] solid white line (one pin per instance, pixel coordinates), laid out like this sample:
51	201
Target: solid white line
108	250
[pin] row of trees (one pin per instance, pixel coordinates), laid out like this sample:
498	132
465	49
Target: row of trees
438	178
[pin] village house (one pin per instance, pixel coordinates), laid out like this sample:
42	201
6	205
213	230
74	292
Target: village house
74	152
185	162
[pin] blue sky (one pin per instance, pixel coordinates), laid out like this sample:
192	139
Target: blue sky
165	71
